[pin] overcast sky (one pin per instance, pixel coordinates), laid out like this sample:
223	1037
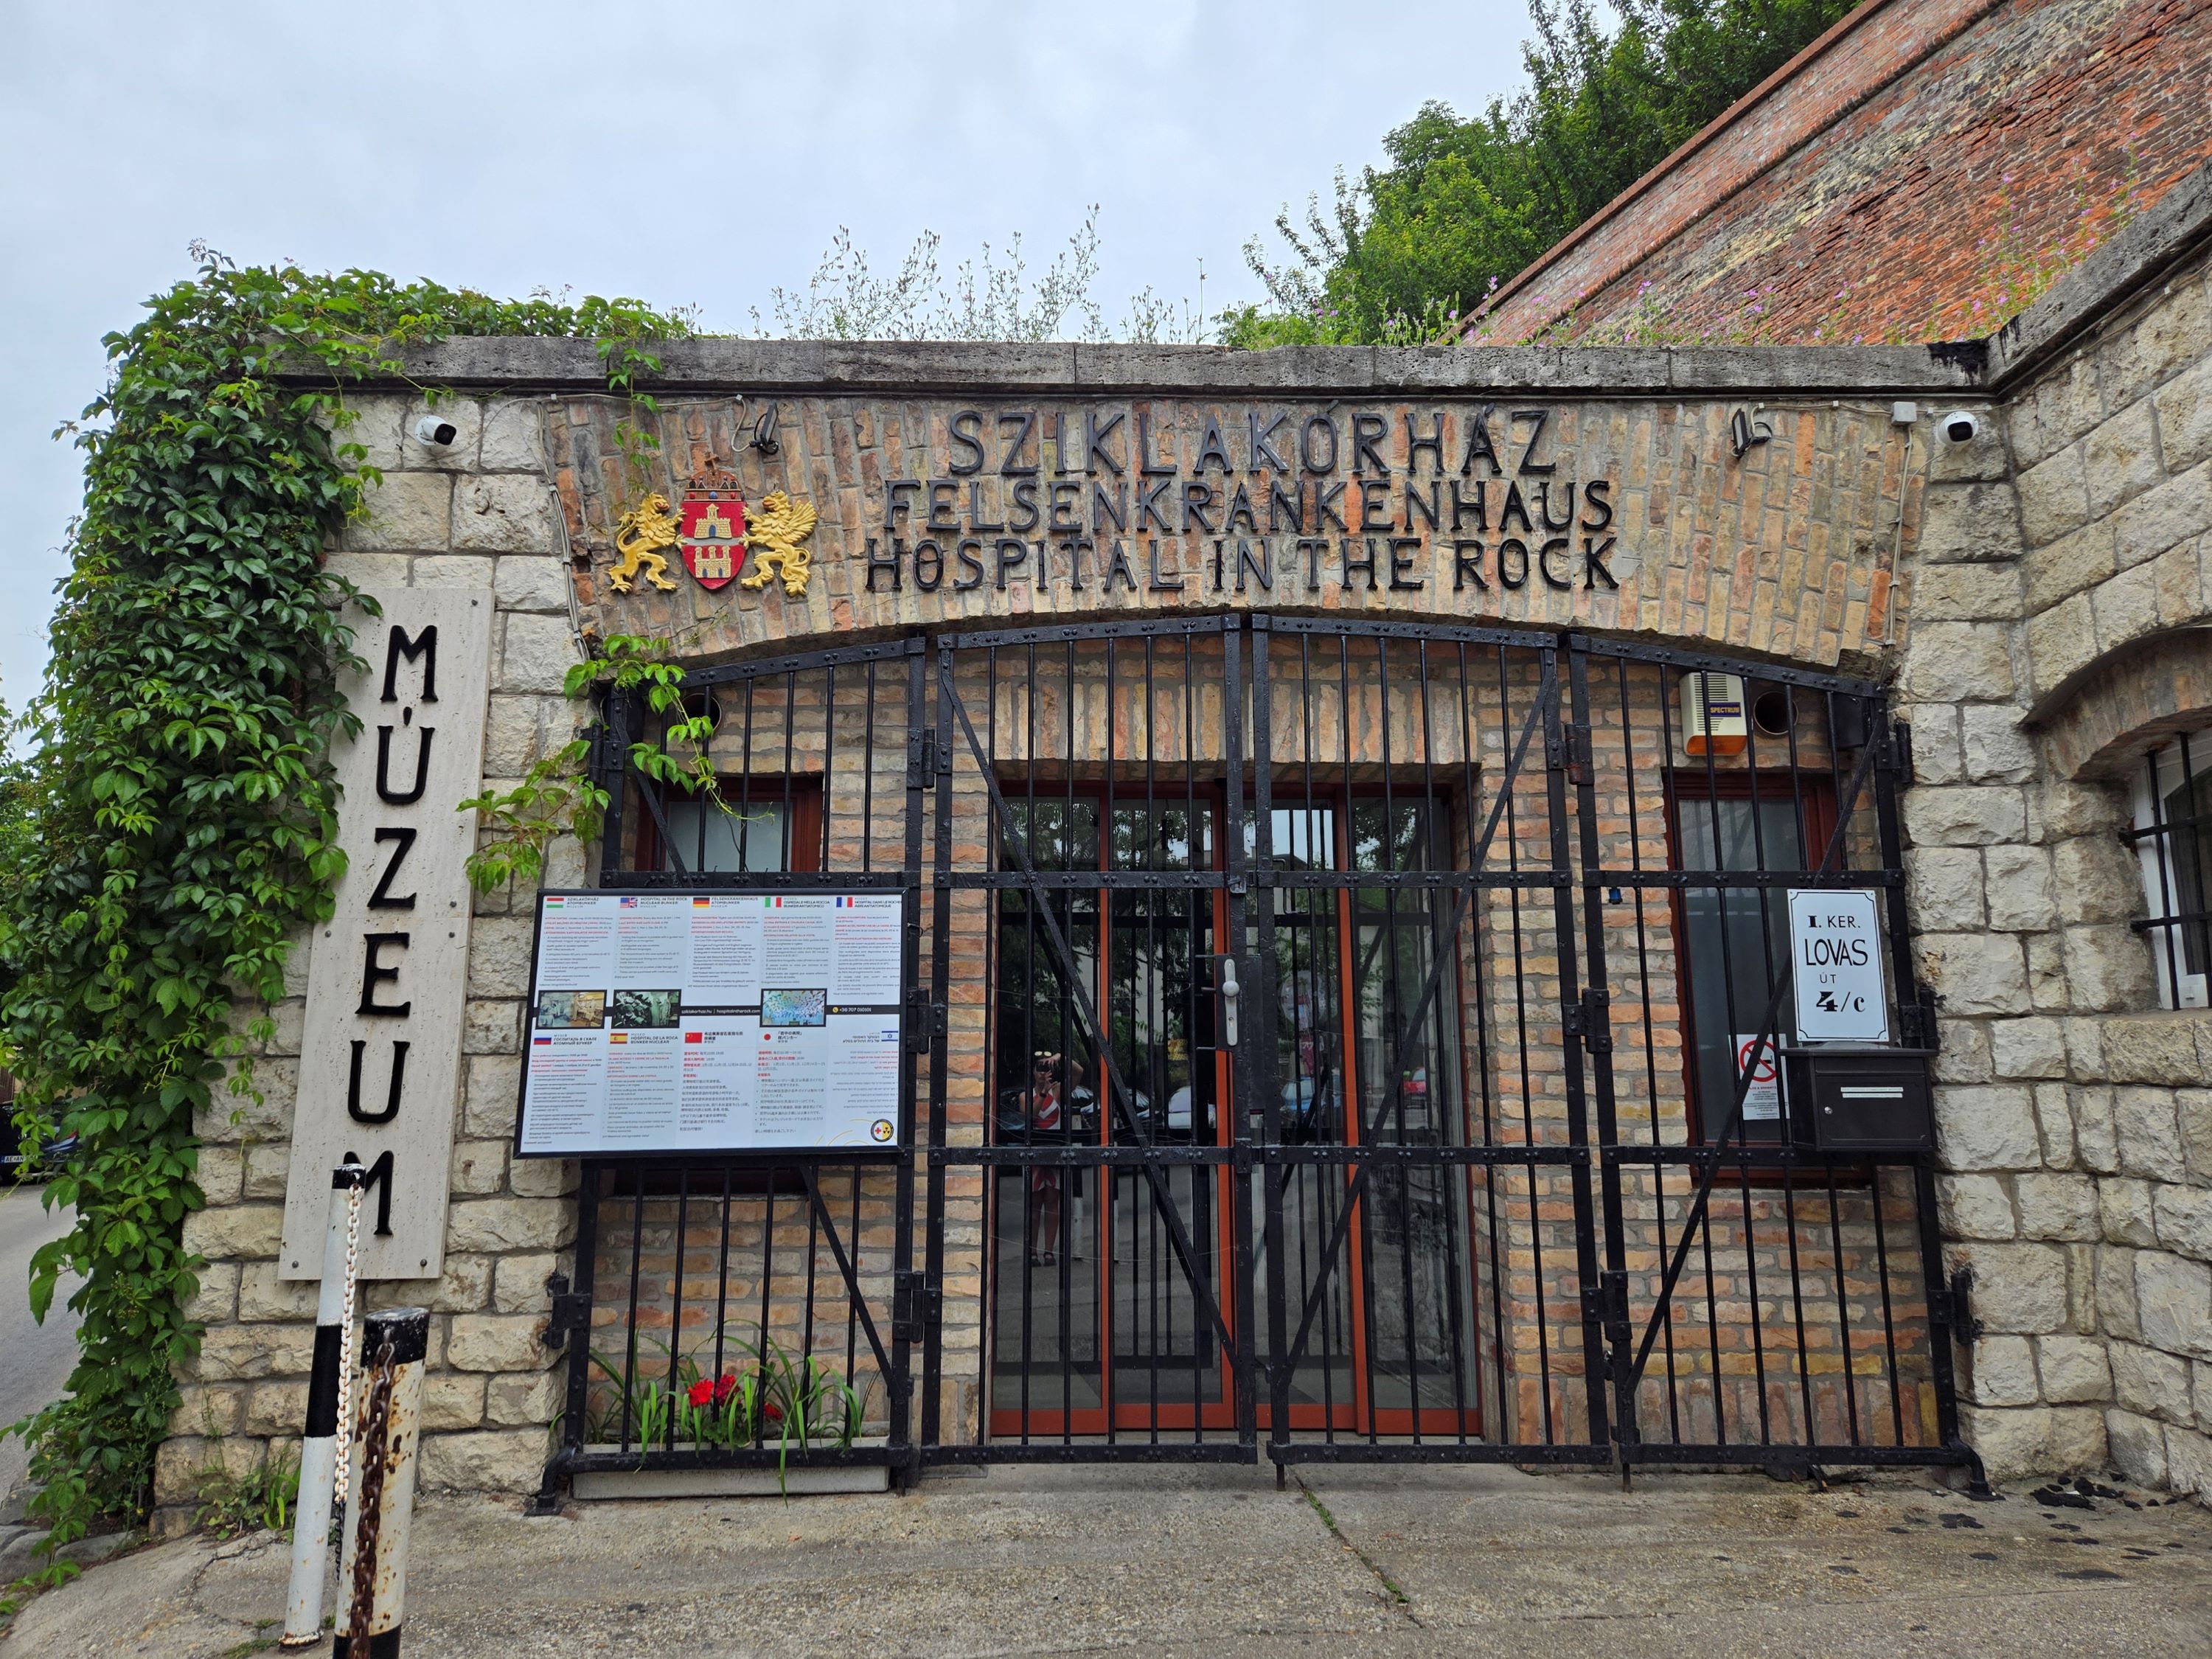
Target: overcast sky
699	154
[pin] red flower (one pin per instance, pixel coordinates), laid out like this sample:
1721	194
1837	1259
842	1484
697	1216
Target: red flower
702	1392
725	1386
774	1412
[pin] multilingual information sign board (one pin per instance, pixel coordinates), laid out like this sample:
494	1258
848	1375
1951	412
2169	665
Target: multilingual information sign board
727	1021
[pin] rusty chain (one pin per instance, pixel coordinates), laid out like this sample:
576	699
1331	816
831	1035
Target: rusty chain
345	1341
375	1458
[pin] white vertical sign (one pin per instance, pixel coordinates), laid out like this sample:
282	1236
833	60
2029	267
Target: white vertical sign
1835	956
380	1058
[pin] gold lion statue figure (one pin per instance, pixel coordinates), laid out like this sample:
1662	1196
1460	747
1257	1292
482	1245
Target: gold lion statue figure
773	532
646	528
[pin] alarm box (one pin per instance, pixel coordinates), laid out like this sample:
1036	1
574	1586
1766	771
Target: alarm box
1713	721
1859	1098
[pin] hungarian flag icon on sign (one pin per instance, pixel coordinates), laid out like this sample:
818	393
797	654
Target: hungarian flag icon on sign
711	528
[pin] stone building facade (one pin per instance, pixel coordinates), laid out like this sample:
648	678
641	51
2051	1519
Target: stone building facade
2023	556
2078	1109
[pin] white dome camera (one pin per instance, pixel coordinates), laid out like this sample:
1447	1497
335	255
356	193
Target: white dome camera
439	433
1960	427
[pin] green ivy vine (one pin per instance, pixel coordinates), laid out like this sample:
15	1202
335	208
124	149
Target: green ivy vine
554	797
171	825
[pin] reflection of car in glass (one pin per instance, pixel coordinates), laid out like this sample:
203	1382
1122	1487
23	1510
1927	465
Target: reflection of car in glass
1308	1108
15	1161
1179	1114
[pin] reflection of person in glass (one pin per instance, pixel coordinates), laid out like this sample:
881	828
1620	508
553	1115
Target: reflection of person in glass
1044	1184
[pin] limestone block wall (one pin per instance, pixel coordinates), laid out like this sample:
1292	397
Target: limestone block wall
2031	590
476	514
2051	649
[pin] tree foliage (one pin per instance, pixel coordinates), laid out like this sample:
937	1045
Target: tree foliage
174	825
1463	205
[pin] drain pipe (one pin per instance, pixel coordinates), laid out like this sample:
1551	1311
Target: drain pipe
372	1567
319	1456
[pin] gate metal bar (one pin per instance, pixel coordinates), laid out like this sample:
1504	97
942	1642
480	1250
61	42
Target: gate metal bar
1844	714
1361	1159
1072	1162
1560	1179
627	1418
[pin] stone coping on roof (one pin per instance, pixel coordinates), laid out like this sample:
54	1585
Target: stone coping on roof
713	364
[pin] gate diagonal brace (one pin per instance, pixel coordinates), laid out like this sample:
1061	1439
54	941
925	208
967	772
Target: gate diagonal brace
845	1270
1664	1303
1162	1201
1355	1190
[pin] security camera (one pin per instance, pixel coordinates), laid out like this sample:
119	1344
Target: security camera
1960	427
437	433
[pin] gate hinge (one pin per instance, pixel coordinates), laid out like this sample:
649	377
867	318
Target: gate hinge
1896	755
572	1310
922	759
1569	750
1589	1017
925	1020
915	1305
1953	1306
1604	1304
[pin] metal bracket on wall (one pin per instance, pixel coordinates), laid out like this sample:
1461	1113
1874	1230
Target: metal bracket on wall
1746	433
1953	1306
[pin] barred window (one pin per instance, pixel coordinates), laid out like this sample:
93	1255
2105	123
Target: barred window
2173	835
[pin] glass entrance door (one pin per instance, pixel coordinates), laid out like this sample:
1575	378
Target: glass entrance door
1122	1258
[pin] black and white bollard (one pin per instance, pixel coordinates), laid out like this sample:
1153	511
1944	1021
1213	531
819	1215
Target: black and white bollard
328	1398
372	1566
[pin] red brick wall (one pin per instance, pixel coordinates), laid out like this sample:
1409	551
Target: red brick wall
1919	174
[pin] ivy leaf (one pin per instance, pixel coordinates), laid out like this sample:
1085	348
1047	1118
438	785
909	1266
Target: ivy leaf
168	808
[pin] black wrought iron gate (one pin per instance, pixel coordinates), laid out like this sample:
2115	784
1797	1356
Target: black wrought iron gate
1336	1039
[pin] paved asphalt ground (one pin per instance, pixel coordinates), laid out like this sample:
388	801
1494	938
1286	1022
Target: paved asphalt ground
35	1360
1180	1559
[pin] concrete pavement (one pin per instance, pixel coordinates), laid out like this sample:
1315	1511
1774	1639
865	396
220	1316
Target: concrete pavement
1365	1561
35	1360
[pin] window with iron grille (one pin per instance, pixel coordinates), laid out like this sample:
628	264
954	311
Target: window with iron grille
2172	836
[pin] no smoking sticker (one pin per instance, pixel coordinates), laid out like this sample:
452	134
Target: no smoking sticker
1762	1100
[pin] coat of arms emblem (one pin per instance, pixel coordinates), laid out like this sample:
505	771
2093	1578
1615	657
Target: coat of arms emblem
711	528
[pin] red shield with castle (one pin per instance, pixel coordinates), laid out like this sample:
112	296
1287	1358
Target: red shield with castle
711	528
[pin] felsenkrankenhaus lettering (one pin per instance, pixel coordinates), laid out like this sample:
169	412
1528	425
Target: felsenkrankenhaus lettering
1276	501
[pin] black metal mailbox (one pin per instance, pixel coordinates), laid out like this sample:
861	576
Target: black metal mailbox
1859	1098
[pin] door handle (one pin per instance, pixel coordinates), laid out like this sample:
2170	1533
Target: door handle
1231	993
